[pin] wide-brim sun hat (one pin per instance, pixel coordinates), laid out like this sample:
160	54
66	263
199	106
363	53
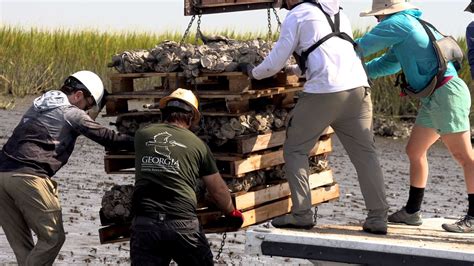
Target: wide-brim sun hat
186	96
387	7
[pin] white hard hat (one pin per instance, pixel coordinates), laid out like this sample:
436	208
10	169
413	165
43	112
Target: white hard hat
92	82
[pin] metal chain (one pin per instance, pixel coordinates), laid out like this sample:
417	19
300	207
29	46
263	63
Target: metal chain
198	29
224	236
186	32
315	215
277	19
269	20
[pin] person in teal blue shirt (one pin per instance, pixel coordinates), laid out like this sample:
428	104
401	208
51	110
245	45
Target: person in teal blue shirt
443	114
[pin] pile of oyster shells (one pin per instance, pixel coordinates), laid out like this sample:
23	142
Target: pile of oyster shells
219	130
214	128
117	204
222	55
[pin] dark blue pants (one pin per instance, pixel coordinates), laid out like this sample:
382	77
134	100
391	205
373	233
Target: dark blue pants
156	242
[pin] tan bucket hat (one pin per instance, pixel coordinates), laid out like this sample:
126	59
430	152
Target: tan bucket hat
387	7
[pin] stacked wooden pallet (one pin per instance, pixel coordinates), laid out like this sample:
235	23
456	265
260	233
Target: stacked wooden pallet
240	156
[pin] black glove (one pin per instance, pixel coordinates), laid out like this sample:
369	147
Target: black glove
246	69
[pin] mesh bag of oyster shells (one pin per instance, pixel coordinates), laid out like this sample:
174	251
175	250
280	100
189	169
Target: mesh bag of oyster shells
221	55
218	130
117	204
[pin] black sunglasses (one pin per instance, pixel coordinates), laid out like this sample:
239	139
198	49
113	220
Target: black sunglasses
90	101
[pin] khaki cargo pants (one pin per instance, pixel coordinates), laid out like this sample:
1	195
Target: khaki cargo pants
349	113
30	203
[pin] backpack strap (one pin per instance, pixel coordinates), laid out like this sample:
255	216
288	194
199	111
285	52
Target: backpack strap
336	32
442	67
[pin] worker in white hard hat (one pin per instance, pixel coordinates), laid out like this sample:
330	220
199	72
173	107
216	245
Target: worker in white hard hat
169	160
39	146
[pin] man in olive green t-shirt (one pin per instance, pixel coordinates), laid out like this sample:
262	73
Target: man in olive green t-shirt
169	160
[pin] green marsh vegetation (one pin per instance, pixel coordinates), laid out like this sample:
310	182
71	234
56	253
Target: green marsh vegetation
33	61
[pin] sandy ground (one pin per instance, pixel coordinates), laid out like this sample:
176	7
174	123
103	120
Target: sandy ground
82	183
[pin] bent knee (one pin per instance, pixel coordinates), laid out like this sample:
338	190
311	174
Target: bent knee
464	159
415	153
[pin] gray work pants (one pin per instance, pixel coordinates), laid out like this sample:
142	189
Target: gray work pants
349	113
30	203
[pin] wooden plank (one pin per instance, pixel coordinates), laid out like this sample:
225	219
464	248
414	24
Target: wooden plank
211	94
239	166
114	233
232	2
119	85
261	142
239	83
118	76
174	83
258	197
117	163
283	78
269	211
265	141
218	6
114	107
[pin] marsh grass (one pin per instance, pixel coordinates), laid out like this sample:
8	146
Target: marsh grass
33	61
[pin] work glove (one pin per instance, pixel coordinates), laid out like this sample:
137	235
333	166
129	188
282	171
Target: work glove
246	69
234	219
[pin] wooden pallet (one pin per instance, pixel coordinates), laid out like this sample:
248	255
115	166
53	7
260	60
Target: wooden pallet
212	221
219	6
233	89
228	81
247	144
230	165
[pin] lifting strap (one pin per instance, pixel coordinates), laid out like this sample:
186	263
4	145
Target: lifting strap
335	27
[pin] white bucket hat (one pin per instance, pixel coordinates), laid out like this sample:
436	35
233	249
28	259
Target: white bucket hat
387	7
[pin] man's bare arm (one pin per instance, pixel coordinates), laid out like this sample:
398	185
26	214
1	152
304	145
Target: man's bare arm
219	192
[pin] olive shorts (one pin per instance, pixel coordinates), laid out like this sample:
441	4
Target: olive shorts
30	203
447	109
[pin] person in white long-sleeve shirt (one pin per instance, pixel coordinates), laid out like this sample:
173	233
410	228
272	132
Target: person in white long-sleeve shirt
336	93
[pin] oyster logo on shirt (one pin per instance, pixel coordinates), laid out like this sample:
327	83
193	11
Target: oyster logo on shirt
161	143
